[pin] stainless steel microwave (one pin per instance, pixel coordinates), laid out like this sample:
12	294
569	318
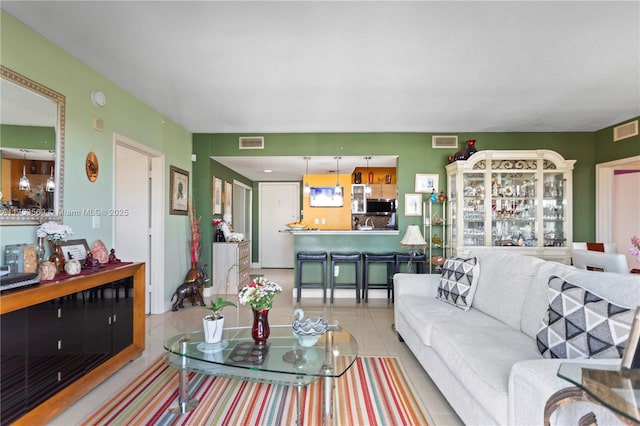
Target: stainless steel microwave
380	206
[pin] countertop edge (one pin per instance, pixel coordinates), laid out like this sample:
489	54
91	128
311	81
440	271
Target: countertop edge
344	232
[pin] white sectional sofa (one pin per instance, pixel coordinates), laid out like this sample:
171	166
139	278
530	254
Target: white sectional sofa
486	360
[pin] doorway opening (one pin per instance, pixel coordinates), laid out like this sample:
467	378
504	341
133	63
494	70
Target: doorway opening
139	235
617	203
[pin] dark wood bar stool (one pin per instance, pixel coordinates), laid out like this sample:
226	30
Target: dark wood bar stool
311	258
371	258
353	258
419	262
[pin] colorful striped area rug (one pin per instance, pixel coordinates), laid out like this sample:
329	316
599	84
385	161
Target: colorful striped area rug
374	391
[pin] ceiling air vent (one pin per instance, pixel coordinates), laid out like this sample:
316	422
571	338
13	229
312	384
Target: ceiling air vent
251	142
626	130
444	142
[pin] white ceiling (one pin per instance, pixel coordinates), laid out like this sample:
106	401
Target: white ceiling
425	66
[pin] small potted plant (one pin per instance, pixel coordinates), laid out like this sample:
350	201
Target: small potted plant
214	322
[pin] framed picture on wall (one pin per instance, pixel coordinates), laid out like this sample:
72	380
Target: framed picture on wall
413	204
426	183
178	191
228	197
217	195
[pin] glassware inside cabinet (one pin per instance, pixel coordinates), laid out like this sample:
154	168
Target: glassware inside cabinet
453	216
358	199
473	213
553	217
513	205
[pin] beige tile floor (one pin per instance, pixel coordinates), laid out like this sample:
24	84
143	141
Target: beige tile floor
369	323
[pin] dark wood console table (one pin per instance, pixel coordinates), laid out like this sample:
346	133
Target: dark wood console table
60	339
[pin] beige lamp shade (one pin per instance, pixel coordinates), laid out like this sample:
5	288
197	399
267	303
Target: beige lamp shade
413	238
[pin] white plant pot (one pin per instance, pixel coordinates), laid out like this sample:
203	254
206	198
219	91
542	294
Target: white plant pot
207	291
212	329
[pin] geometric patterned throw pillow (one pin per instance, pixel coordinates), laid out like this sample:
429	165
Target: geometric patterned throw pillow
458	281
579	324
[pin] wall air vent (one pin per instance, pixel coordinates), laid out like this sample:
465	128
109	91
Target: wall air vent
251	142
626	130
444	142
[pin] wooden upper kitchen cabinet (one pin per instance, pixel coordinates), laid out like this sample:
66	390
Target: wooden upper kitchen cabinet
383	190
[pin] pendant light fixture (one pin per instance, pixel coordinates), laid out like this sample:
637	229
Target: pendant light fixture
23	183
307	187
338	187
367	187
51	184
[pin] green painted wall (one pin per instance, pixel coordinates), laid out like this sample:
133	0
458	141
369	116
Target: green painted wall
608	150
415	155
204	169
28	53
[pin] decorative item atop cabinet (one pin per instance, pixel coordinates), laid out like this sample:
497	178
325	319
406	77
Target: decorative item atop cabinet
230	266
517	199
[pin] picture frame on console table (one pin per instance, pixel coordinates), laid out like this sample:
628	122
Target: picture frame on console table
75	249
178	191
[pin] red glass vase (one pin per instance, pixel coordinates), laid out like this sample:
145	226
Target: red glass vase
260	330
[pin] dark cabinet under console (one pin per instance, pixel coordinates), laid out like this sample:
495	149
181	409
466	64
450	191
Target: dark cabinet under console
55	350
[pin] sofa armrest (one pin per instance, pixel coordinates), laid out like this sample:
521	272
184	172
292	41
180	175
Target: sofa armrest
532	382
415	285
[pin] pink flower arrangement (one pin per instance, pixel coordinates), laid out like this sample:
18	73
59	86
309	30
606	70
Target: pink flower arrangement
635	247
217	222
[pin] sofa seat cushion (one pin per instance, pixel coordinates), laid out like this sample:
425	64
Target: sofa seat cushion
480	351
424	312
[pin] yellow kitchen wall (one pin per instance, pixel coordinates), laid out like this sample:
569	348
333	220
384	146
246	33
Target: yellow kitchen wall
328	217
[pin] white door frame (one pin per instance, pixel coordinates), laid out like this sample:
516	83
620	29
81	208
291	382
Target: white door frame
248	209
261	185
604	191
156	273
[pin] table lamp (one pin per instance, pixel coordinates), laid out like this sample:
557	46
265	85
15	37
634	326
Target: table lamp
414	241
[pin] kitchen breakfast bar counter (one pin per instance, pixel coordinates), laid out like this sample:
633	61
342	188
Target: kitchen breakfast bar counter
345	240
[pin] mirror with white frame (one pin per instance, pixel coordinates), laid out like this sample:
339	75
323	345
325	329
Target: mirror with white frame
32	147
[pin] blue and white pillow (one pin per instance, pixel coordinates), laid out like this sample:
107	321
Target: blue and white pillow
459	281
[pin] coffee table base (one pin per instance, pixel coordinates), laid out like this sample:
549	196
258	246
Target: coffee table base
184	403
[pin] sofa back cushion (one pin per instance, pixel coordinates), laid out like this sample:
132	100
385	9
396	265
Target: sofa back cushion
503	284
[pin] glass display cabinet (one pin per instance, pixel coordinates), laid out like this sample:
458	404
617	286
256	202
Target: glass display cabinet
520	200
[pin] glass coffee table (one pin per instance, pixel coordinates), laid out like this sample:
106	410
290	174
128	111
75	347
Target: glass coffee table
283	361
606	385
